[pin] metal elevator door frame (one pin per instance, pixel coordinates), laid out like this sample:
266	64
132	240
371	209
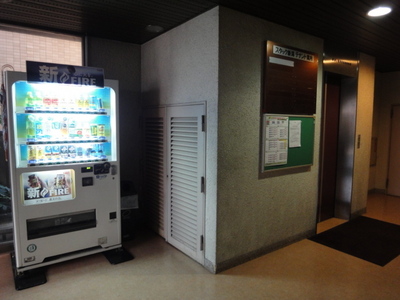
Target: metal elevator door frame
344	157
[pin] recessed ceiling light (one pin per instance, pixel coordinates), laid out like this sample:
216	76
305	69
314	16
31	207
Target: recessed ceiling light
154	28
379	11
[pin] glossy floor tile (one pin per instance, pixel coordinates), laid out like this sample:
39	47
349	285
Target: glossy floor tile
303	270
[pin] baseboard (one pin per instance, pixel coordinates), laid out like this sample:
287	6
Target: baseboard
377	191
358	213
233	262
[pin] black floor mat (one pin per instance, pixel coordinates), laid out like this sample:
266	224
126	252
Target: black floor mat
117	256
372	240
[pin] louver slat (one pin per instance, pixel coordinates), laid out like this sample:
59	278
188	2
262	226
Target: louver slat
184	185
154	178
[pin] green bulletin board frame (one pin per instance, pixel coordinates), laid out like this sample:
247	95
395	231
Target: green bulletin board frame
298	156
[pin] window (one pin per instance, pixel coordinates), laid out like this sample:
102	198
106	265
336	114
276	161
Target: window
18	45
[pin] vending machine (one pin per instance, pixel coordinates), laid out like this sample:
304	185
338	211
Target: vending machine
63	157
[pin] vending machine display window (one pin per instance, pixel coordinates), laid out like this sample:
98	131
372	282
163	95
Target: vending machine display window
48	186
59	124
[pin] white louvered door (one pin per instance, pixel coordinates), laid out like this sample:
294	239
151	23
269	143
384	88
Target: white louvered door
154	168
186	171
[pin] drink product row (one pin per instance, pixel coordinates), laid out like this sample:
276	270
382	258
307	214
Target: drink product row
39	102
62	128
65	153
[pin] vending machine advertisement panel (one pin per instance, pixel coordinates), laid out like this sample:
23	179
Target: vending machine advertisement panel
64	169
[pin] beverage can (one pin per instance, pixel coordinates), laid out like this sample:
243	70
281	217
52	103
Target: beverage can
79	152
48	152
60	181
55	152
31	153
39	152
93	130
64	152
71	151
101	130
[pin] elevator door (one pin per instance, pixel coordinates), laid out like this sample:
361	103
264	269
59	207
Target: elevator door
330	131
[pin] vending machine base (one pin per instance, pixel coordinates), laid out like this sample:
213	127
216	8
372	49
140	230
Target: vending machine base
117	256
29	278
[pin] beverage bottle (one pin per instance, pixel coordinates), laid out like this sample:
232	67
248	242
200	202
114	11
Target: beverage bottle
71	104
38	100
54	102
47	101
79	130
39	128
55	129
79	102
72	128
100	104
93	103
47	127
64	127
29	102
100	151
86	102
86	130
30	128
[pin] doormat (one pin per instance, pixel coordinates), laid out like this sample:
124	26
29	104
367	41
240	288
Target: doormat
372	240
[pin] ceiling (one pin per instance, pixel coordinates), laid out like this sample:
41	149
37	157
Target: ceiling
342	24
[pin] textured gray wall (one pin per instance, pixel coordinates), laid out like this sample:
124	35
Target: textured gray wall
121	61
256	215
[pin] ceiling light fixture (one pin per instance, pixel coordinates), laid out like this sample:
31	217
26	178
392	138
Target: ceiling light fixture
154	28
379	11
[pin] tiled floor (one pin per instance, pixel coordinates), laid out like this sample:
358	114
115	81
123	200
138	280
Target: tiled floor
303	270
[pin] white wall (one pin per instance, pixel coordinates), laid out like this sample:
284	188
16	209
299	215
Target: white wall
181	67
387	95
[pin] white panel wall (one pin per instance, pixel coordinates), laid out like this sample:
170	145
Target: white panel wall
181	67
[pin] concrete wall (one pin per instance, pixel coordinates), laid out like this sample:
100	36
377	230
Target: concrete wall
387	94
364	118
256	215
121	61
181	67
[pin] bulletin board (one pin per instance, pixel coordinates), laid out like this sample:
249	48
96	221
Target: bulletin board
288	141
